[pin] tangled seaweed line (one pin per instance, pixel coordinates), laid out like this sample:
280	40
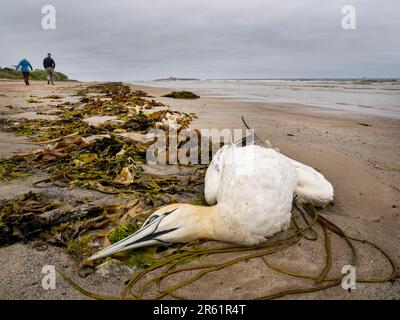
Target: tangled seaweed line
267	249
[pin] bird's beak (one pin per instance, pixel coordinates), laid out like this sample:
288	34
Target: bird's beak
146	236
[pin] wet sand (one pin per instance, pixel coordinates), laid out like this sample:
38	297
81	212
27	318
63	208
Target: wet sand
360	155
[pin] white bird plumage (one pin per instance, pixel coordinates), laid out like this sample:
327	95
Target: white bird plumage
250	191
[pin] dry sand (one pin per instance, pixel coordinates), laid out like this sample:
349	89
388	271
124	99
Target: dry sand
362	162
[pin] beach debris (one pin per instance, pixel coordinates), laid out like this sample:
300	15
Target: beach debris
81	230
32	100
9	170
306	225
81	227
181	95
135	136
87	121
101	121
35	216
364	124
43	129
109	158
305	221
122	231
127	175
143	258
113	267
20	217
53	97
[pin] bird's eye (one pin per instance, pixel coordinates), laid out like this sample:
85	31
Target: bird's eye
150	220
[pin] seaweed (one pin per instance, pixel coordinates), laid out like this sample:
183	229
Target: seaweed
82	246
122	231
199	201
41	129
21	217
142	257
53	97
181	95
296	235
32	100
35	216
114	164
114	98
110	164
9	170
108	99
27	218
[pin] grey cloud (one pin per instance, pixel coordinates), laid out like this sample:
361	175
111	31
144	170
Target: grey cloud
135	39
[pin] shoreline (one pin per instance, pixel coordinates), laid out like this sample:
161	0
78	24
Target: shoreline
352	98
290	107
359	154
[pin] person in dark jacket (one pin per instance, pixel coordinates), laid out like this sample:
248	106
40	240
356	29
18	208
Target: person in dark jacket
24	65
49	65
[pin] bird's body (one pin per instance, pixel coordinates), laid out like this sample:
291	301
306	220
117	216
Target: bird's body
250	191
252	188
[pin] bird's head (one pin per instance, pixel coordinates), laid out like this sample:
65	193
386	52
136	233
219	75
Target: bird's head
170	224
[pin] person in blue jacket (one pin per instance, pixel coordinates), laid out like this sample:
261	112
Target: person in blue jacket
25	65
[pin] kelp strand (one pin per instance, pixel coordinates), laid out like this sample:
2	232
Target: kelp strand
323	282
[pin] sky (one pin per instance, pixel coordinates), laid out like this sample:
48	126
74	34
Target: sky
130	40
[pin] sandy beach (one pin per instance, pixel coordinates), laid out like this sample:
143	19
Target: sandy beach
359	154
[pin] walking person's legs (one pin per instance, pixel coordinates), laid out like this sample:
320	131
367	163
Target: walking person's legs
26	77
50	75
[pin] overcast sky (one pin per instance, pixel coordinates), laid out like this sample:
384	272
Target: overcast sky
148	39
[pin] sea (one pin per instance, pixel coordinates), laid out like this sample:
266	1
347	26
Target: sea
375	97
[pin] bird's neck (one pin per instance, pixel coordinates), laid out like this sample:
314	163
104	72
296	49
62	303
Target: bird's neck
209	224
203	221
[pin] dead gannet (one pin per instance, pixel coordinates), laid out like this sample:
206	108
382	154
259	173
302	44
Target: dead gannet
250	191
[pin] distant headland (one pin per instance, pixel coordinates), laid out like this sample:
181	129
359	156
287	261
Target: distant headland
177	79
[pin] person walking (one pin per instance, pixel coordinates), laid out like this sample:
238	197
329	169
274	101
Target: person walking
24	65
49	65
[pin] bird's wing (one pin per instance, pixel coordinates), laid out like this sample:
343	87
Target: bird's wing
213	176
312	187
216	167
256	193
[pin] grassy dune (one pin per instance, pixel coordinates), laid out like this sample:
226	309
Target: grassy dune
38	74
